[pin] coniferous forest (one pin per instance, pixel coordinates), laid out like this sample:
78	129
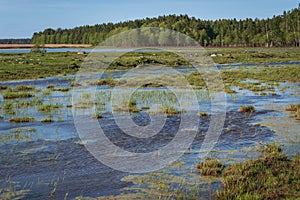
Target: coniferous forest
15	41
282	30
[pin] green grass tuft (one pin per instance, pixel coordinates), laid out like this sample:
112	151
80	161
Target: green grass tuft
210	167
22	119
16	95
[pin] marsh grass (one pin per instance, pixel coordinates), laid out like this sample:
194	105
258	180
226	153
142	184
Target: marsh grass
47	108
22	119
263	78
271	176
9	108
46	93
202	114
12	190
107	81
228	89
53	89
247	109
63	89
28	103
295	110
293	107
19	134
134	59
145	107
130	106
210	167
17	66
97	115
47	120
3	87
8	105
171	111
50	87
254	55
163	186
16	95
21	88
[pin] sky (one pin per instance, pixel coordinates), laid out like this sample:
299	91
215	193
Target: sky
21	18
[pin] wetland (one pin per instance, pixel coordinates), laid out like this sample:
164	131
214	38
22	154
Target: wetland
43	157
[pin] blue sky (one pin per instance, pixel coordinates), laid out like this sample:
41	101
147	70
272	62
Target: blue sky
21	18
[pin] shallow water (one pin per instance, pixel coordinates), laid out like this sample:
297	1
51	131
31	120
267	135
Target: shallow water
48	160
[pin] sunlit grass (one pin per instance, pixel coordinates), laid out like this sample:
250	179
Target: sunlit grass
210	167
22	119
295	110
16	95
247	109
271	176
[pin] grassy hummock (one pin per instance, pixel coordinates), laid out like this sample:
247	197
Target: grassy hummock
247	109
272	176
210	167
295	110
22	119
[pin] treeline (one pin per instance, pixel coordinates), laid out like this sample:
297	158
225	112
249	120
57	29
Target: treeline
15	41
282	30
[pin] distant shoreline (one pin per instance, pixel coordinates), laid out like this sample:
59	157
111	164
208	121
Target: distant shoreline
22	46
55	46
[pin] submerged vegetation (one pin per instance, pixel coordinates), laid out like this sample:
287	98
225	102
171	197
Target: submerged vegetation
256	79
24	103
59	166
270	176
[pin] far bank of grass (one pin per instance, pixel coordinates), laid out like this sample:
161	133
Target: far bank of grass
18	66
